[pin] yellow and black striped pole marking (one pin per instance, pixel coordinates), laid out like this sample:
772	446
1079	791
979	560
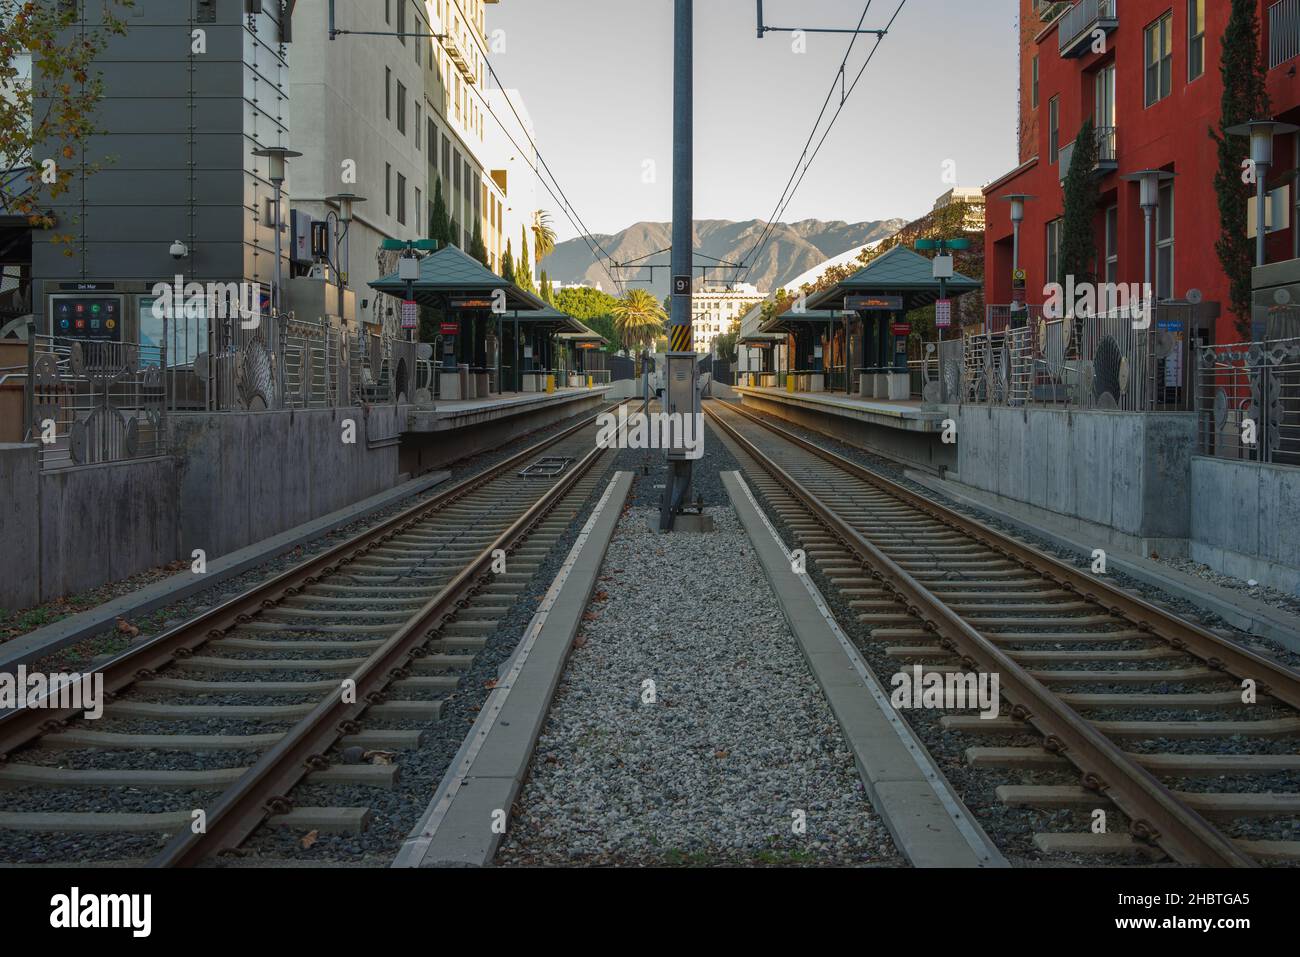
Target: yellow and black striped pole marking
681	338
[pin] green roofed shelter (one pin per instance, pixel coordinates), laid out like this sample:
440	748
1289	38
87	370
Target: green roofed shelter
875	302
474	303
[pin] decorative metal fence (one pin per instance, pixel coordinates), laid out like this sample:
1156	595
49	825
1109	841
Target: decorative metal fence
1106	362
90	402
1248	401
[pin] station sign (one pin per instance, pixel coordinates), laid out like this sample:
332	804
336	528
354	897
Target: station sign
471	303
410	314
943	313
1018	280
873	303
681	285
449	328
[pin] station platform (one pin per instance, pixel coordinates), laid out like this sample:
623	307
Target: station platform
461	413
906	430
445	432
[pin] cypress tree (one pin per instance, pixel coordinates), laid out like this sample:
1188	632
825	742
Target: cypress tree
523	268
508	264
1245	98
477	247
1078	245
439	223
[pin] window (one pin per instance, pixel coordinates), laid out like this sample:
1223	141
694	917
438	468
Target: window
401	199
1053	129
1112	244
1195	39
1165	243
388	189
1033	83
388	93
446	159
1104	98
431	137
1159	58
401	21
419	126
401	108
419	210
388	11
1053	250
455	170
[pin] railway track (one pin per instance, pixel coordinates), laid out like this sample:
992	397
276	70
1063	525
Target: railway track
1143	709
326	672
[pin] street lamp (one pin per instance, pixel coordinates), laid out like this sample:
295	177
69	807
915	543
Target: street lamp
345	202
1148	181
1017	201
1261	133
277	157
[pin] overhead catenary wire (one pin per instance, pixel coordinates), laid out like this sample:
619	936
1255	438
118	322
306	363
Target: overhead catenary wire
566	206
805	161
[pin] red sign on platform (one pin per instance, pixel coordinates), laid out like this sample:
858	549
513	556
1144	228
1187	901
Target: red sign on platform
902	328
449	328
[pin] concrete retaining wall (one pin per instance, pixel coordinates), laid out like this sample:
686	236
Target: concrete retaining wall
245	477
1122	471
913	446
65	531
1245	520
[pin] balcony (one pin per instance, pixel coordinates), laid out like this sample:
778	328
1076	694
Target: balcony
1107	156
1075	30
457	57
1049	10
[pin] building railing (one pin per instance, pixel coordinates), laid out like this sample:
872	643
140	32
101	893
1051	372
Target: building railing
1081	19
1283	32
91	402
1248	401
1107	151
1104	362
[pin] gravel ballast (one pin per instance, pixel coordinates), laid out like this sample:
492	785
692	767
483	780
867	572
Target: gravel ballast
717	761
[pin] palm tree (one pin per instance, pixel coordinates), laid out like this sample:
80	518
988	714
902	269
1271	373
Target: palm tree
543	235
639	319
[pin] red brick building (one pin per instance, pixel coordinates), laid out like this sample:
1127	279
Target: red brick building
1154	94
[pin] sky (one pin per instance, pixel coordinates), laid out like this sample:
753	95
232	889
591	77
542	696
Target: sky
596	76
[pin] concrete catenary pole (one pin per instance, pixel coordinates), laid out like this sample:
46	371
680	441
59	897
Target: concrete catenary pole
677	486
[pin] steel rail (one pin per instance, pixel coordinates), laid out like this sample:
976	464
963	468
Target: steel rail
264	788
1155	813
1270	677
21	727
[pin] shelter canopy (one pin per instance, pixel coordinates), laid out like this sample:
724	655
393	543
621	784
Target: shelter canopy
899	272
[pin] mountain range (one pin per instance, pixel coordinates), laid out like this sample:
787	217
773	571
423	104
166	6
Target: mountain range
791	250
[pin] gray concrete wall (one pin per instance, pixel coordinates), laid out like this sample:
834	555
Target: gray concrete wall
1245	520
68	530
245	477
1119	470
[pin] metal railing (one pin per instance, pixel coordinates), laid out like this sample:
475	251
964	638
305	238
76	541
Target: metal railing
1081	18
1248	401
91	402
1283	32
1108	362
1107	150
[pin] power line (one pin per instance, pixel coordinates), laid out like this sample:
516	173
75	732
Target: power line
787	195
566	206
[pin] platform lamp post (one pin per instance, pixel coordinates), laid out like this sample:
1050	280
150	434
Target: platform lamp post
1261	133
344	202
277	157
1017	201
1149	181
